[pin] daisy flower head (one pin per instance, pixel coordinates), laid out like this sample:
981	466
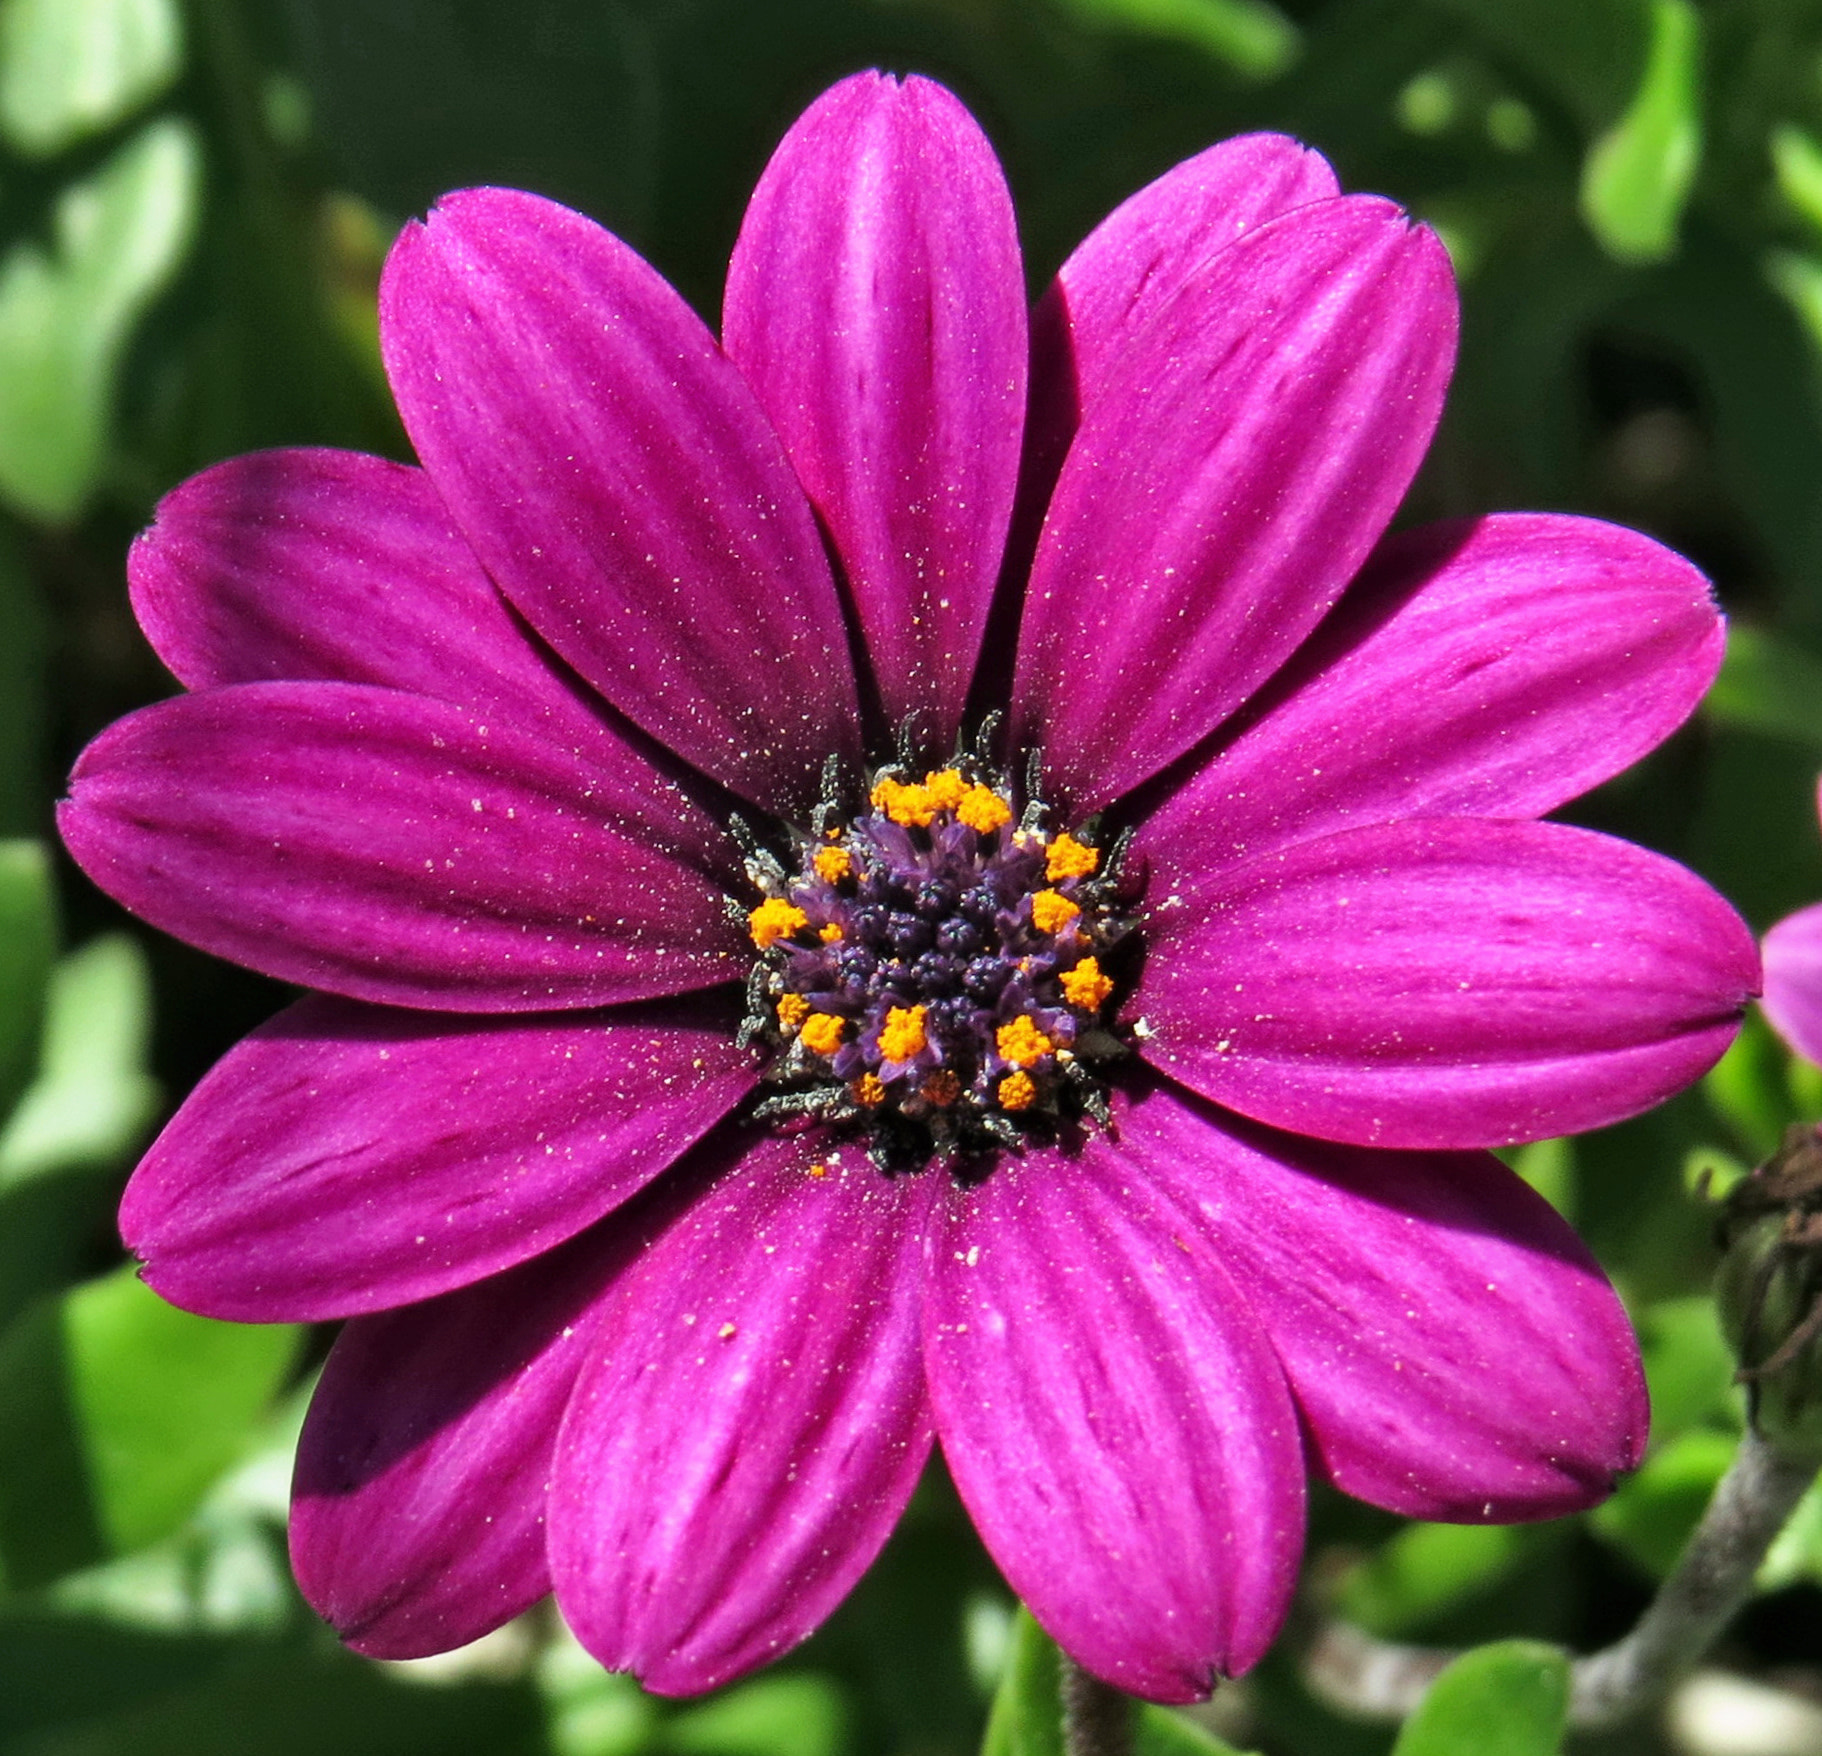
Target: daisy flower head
922	873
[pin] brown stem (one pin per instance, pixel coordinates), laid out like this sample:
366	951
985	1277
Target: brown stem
1097	1718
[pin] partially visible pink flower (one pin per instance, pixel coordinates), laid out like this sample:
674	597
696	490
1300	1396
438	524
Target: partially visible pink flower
465	750
1793	979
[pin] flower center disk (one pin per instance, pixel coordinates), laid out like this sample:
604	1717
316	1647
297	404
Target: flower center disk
937	970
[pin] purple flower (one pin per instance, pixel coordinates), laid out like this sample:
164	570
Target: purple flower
1107	1098
1793	979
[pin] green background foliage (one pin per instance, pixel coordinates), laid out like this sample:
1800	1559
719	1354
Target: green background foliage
195	198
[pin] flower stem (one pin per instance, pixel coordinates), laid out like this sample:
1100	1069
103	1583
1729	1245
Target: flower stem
1097	1718
1713	1577
1710	1581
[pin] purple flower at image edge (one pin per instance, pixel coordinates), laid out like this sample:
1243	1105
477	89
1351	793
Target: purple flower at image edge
1130	1139
1793	978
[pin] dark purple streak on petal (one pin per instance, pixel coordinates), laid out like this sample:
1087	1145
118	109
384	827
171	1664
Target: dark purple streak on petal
752	1420
1248	450
876	304
617	479
1136	259
417	1511
390	848
348	1158
1444	983
1456	1351
338	567
1115	1420
1494	668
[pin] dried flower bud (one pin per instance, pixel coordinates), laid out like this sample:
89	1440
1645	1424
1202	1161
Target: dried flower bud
1769	1290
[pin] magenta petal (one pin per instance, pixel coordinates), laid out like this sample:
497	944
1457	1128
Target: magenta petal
1456	1351
1248	450
1137	258
335	566
1445	983
1114	1419
347	1158
417	1512
876	303
390	848
752	1419
1793	980
1491	668
617	479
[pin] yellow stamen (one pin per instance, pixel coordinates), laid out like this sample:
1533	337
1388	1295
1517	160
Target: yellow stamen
947	787
793	1009
819	1169
942	1089
1068	858
1017	1091
1052	911
983	810
911	806
822	1032
902	1035
868	1091
832	864
1085	986
775	919
829	933
1021	1042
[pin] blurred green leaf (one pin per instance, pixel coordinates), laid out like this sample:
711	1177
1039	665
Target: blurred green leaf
1748	1090
1796	1555
1652	1513
591	1712
1507	1699
164	1400
1637	176
1796	162
117	1413
1767	684
24	643
1585	55
1688	1366
1427	1568
1549	1167
1027	1716
71	68
93	1097
1157	1731
298	1697
772	1716
28	948
66	316
1251	36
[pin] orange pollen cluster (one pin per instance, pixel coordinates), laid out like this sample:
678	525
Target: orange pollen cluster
903	1035
775	919
1068	858
1022	1043
1085	986
1052	911
822	1032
